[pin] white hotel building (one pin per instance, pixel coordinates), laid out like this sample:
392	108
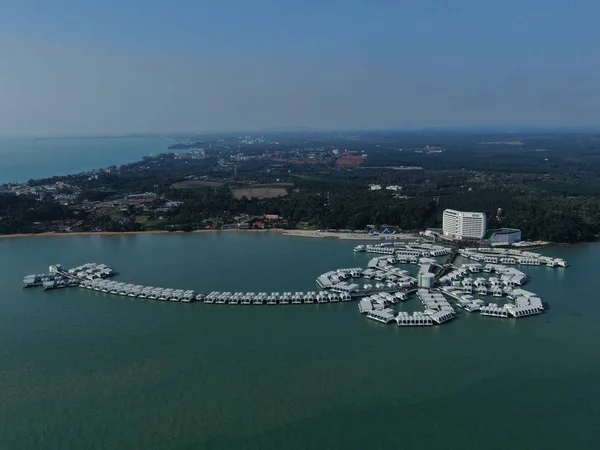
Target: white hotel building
464	225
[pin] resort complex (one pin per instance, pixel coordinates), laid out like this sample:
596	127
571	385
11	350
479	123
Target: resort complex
472	227
464	225
442	284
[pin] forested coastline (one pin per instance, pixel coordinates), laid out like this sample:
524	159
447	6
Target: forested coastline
551	195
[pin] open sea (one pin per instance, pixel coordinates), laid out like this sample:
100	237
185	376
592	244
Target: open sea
86	370
26	158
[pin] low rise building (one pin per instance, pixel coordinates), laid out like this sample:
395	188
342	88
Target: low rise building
426	280
503	235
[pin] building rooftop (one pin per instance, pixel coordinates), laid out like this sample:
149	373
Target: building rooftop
492	232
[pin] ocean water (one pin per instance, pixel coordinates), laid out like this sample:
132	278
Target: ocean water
26	158
83	369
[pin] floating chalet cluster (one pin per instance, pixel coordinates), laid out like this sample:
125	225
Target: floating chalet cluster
440	286
59	278
511	257
492	273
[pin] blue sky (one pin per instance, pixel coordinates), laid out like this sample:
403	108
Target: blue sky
123	66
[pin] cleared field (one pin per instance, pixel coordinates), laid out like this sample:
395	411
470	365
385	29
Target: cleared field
195	184
348	162
146	222
260	192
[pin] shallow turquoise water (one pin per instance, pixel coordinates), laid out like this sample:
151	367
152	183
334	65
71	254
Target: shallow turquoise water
26	158
88	370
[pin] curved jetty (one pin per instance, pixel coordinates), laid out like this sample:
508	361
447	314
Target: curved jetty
442	288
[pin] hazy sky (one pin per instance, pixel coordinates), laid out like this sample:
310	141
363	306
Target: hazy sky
146	66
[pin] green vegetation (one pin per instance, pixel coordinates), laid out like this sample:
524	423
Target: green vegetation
23	213
546	183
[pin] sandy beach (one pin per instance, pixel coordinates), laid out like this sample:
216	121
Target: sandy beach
128	233
293	233
331	235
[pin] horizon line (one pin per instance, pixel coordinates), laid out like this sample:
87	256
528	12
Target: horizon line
507	128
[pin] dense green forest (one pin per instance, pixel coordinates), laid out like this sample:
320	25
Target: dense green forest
340	206
21	213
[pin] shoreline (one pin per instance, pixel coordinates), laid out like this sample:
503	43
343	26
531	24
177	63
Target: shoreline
284	232
331	235
127	233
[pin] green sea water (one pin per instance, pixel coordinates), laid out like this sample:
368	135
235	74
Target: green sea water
26	158
86	370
